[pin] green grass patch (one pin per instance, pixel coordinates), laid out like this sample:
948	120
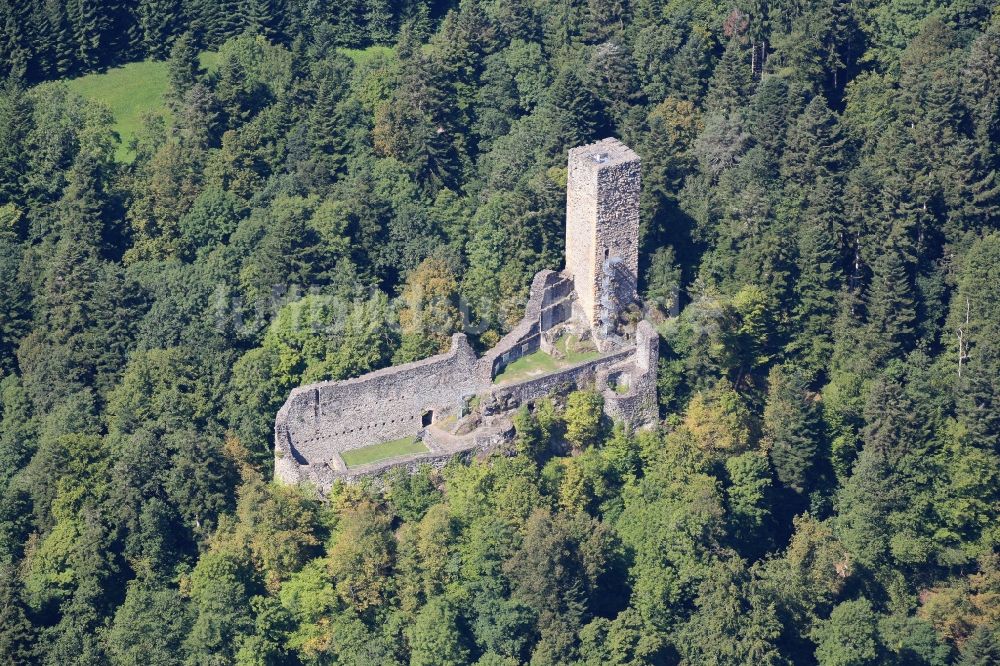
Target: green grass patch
131	91
365	56
377	452
539	363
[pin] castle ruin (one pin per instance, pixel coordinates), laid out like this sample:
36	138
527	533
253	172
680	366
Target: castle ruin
455	403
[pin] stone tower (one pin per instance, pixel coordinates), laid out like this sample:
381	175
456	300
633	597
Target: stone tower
602	229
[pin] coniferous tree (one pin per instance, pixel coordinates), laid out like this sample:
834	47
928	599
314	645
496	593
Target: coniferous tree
198	118
326	128
817	290
346	25
183	67
791	427
379	22
769	109
814	155
14	51
982	648
732	81
15	119
689	69
90	26
59	39
160	20
891	511
576	113
123	37
265	17
14	301
741	627
811	167
974	322
615	81
972	469
981	87
891	311
215	21
240	95
417	18
17	633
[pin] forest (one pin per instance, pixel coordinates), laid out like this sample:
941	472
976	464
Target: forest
352	182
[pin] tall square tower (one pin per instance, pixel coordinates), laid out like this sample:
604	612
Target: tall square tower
602	227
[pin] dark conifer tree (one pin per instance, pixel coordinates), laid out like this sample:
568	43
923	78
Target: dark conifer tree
875	489
123	37
418	18
971	494
379	22
792	427
889	302
198	118
90	26
240	96
266	17
15	121
690	68
612	72
346	23
183	68
814	150
981	86
576	112
812	171
37	36
770	108
59	39
14	300
15	49
160	21
732	81
326	129
17	633
817	288
215	21
981	649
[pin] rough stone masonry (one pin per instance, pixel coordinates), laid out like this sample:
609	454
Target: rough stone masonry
452	401
602	224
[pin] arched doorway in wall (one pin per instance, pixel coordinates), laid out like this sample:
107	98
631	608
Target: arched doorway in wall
427	418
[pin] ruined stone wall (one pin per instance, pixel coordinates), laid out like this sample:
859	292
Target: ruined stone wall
549	304
508	397
302	456
602	221
319	420
323	477
638	406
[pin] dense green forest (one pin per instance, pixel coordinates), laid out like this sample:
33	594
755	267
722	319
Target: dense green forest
821	252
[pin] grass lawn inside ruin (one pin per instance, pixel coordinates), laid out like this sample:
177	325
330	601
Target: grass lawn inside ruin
377	452
539	363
